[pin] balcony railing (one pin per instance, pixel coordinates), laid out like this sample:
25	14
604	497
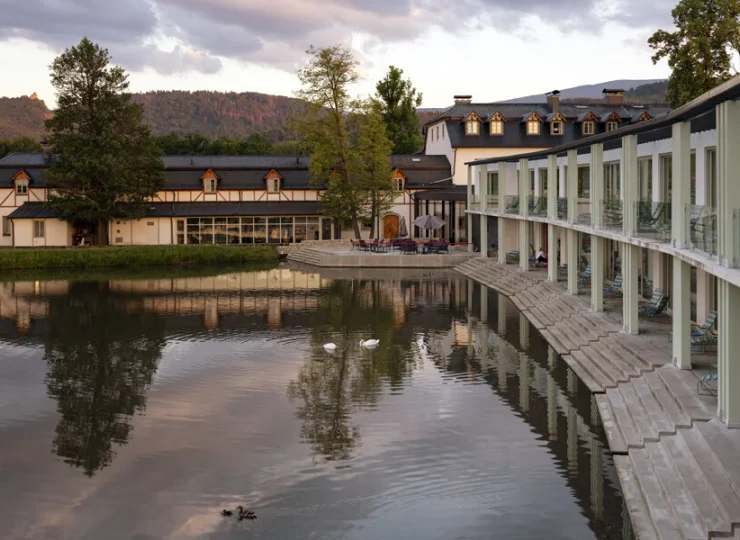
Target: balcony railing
612	214
511	204
492	203
562	208
654	220
538	207
702	221
475	202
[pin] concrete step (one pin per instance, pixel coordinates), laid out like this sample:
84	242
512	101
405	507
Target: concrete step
606	374
667	401
580	328
616	346
682	384
623	363
560	340
593	385
634	501
630	432
614	435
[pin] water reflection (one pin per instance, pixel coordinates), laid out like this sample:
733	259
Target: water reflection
463	423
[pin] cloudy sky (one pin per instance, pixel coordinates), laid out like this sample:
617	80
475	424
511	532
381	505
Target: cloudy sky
493	49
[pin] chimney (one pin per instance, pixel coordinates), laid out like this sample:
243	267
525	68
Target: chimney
553	101
463	99
613	96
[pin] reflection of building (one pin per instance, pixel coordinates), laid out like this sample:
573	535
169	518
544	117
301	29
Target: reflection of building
215	200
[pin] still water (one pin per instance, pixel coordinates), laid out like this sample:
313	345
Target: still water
138	407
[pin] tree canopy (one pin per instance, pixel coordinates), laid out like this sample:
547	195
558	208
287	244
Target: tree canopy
345	137
106	164
398	100
700	51
19	144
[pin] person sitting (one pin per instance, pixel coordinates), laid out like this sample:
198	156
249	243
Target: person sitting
540	257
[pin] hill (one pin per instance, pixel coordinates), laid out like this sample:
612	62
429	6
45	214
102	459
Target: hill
22	116
649	91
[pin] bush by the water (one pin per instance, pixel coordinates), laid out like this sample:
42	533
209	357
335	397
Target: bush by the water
135	256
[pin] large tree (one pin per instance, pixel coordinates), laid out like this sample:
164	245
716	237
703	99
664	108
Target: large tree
106	165
336	130
398	99
701	49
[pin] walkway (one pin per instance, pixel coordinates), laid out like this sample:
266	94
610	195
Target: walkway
678	466
348	258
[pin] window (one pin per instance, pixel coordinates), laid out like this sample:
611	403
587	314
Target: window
21	186
611	181
533	127
273	185
556	127
398	184
39	229
443	131
710	183
588	127
209	184
611	125
471	127
497	127
493	183
543	182
437	132
645	176
692	179
431	135
584	182
7	226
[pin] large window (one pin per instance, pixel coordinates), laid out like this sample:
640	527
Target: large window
39	229
584	182
471	127
666	178
645	174
246	230
710	180
543	182
497	127
493	183
533	127
611	181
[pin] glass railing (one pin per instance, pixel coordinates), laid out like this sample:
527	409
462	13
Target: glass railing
654	220
563	208
475	202
702	223
612	214
538	207
492	203
511	203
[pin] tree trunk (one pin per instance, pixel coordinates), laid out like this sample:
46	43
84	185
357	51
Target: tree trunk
356	227
102	236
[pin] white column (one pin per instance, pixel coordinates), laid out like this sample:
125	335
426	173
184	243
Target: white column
681	313
502	226
484	235
728	187
552	186
524	187
483	183
552	253
728	361
630	260
598	250
597	184
681	189
572	254
571	183
470	202
630	183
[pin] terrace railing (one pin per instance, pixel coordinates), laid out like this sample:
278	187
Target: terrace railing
654	220
492	203
475	202
562	208
511	204
612	214
702	223
538	207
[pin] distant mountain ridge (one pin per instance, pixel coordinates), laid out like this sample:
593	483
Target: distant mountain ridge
593	91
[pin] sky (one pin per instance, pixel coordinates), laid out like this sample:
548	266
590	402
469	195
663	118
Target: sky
491	49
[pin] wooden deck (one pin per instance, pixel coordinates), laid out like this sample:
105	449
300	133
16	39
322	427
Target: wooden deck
678	466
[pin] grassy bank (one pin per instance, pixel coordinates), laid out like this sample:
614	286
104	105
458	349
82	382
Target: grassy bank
133	257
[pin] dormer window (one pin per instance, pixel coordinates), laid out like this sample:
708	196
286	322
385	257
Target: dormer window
399	180
210	181
588	127
557	124
472	124
21	181
398	184
272	180
496	124
533	121
611	125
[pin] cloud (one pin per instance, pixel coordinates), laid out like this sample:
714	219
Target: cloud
276	32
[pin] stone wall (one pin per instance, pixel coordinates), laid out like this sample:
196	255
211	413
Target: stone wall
290	248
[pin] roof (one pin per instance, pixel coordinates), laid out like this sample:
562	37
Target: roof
237	172
453	193
37	210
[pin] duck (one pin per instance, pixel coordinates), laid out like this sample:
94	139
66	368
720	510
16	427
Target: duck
225	512
245	514
330	347
369	343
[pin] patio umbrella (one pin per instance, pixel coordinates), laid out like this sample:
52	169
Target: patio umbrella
402	230
429	222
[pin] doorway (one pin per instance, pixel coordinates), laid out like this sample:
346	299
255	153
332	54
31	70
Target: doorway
390	226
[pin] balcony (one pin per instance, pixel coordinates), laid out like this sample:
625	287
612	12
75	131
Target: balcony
612	214
562	208
492	203
583	211
702	222
538	207
475	202
653	220
511	204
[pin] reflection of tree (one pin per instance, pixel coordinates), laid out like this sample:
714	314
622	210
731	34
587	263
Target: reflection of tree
101	362
330	387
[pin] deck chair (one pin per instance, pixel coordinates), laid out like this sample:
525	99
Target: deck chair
653	302
707	385
615	288
513	207
657	309
698	331
586	275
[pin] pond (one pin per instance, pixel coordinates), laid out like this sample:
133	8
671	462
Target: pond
140	406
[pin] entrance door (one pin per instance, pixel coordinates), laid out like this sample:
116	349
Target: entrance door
390	227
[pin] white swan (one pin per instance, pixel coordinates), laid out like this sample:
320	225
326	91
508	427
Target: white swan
330	347
369	344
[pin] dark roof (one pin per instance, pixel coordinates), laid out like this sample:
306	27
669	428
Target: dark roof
238	172
37	210
456	193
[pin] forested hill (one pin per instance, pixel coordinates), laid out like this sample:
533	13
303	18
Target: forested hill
23	116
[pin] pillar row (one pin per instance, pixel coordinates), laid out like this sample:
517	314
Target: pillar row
681	314
630	260
728	361
572	258
598	251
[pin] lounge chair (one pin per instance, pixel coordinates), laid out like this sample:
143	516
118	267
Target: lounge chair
707	383
586	275
654	311
615	288
653	302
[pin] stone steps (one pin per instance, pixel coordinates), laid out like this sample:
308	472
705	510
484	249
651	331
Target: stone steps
687	490
306	256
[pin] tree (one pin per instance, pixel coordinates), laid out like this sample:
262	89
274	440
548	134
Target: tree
398	99
106	165
19	144
339	158
700	50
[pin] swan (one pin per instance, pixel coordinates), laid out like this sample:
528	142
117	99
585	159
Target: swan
330	347
369	343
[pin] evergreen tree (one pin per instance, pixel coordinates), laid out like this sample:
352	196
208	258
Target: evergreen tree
700	50
106	165
398	100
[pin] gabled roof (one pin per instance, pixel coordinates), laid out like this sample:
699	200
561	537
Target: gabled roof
532	115
586	117
610	117
473	116
555	117
496	116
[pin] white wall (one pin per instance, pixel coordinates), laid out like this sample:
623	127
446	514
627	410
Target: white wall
439	146
57	233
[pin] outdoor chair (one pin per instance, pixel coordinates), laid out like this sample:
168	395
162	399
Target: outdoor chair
562	208
585	275
704	340
654	311
653	302
513	206
707	385
615	288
